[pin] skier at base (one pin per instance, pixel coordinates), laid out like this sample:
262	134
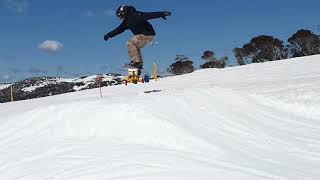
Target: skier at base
143	31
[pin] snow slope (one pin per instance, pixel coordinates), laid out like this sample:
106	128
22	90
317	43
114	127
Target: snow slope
255	122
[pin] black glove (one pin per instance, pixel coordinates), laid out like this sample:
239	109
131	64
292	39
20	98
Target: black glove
165	14
106	37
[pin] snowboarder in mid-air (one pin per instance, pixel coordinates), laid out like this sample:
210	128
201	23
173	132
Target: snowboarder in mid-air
143	31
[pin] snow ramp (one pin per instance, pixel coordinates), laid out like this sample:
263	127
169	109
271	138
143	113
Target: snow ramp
254	122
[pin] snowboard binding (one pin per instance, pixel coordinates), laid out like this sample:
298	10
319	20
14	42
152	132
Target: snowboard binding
133	76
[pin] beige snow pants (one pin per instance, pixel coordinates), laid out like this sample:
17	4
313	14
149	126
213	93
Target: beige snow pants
135	44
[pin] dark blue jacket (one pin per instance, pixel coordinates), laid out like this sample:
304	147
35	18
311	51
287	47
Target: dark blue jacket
138	23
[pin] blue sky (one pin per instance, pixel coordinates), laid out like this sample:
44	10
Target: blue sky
79	27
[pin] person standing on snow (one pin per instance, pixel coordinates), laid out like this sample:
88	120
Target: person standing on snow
143	31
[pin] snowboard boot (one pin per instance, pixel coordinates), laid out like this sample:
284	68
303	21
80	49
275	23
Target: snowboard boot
137	65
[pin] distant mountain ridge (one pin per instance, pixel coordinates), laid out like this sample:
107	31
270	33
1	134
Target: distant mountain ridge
47	86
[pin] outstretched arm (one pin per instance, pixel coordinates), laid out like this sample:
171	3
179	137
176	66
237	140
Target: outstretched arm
153	15
116	31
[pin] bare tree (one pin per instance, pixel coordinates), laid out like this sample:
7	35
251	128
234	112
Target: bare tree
182	65
261	49
304	43
240	56
212	61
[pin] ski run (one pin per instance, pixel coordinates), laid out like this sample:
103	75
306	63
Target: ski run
254	122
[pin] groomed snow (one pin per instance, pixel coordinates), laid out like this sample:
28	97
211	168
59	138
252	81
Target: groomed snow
255	122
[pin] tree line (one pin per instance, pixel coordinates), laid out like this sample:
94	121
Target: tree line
260	49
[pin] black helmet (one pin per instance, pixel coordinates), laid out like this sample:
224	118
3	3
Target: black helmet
123	11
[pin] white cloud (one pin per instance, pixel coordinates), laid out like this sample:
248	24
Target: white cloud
89	13
37	70
109	12
19	6
6	78
51	46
